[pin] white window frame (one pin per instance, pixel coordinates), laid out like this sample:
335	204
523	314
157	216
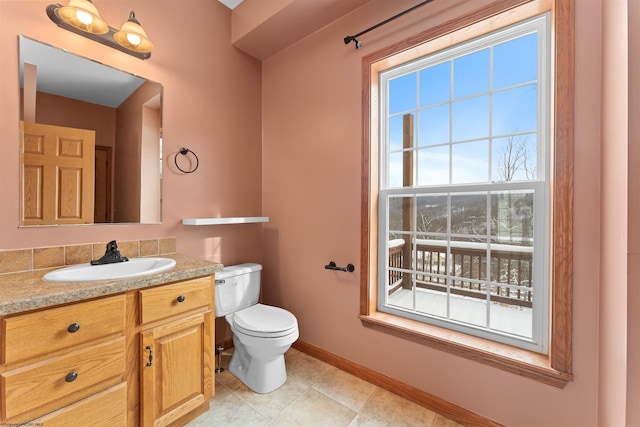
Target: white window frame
540	187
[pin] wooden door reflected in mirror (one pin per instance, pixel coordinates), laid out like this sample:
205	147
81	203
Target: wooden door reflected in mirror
57	168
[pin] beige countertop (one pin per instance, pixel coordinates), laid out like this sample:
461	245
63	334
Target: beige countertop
29	291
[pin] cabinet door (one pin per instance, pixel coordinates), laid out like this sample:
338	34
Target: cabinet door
177	374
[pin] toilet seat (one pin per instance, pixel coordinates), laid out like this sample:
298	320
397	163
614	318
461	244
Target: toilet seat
264	321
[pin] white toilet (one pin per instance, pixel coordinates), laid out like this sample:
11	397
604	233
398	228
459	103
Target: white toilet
261	333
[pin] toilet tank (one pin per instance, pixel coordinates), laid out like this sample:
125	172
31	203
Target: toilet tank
237	287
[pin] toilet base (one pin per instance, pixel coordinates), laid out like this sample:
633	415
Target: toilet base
260	375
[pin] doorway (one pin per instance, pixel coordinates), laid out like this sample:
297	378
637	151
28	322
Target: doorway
102	209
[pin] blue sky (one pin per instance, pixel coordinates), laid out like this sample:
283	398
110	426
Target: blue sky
465	110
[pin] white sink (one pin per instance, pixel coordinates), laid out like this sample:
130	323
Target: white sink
121	270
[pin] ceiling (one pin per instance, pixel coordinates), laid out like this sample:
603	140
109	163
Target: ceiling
230	3
65	74
282	23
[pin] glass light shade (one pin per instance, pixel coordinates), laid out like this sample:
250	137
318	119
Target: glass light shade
82	14
133	37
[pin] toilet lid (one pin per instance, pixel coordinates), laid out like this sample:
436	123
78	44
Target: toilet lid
264	321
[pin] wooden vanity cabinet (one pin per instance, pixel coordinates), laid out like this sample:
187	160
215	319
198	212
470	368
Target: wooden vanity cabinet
177	361
59	363
144	357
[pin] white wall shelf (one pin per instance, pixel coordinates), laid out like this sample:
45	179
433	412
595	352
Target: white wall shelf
226	220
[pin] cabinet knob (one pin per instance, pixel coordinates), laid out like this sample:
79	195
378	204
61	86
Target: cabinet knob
73	328
71	377
181	298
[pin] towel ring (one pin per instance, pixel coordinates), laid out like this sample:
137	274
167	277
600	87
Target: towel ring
184	152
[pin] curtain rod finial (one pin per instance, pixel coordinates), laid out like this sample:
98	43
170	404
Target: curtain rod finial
358	43
350	39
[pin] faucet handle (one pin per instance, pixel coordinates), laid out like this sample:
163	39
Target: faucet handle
112	246
111	255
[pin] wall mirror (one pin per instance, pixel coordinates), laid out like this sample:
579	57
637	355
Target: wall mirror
90	141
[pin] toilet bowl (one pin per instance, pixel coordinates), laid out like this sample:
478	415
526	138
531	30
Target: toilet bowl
261	333
258	359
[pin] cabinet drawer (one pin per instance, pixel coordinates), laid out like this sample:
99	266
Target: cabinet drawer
165	301
105	409
42	332
42	387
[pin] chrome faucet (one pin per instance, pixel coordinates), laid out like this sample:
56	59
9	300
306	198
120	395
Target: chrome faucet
111	255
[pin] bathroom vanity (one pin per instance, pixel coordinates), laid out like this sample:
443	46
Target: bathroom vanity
126	352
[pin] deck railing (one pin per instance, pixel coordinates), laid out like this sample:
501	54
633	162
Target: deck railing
462	267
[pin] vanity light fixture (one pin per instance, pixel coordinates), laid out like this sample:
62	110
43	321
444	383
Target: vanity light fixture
82	17
133	37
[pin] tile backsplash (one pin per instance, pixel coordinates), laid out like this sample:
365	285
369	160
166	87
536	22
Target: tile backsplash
18	260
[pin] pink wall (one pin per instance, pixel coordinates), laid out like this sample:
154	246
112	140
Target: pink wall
614	230
128	154
61	111
211	105
256	25
250	15
633	260
311	190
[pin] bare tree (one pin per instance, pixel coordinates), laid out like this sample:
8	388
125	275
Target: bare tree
515	156
529	164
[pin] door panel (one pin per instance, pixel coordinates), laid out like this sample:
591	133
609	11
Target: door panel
57	167
175	367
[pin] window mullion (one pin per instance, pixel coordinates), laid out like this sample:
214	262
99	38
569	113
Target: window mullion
488	260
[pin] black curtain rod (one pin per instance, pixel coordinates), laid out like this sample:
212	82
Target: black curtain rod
358	43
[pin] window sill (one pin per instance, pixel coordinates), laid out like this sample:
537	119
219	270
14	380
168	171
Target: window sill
518	361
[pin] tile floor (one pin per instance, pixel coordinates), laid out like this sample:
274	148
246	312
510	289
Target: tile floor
316	394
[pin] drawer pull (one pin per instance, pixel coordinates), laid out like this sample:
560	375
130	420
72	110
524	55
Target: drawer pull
71	377
73	328
181	298
150	355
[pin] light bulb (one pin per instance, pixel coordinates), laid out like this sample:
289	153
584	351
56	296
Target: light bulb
84	17
134	39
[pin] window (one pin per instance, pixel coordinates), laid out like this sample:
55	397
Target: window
463	187
463	169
